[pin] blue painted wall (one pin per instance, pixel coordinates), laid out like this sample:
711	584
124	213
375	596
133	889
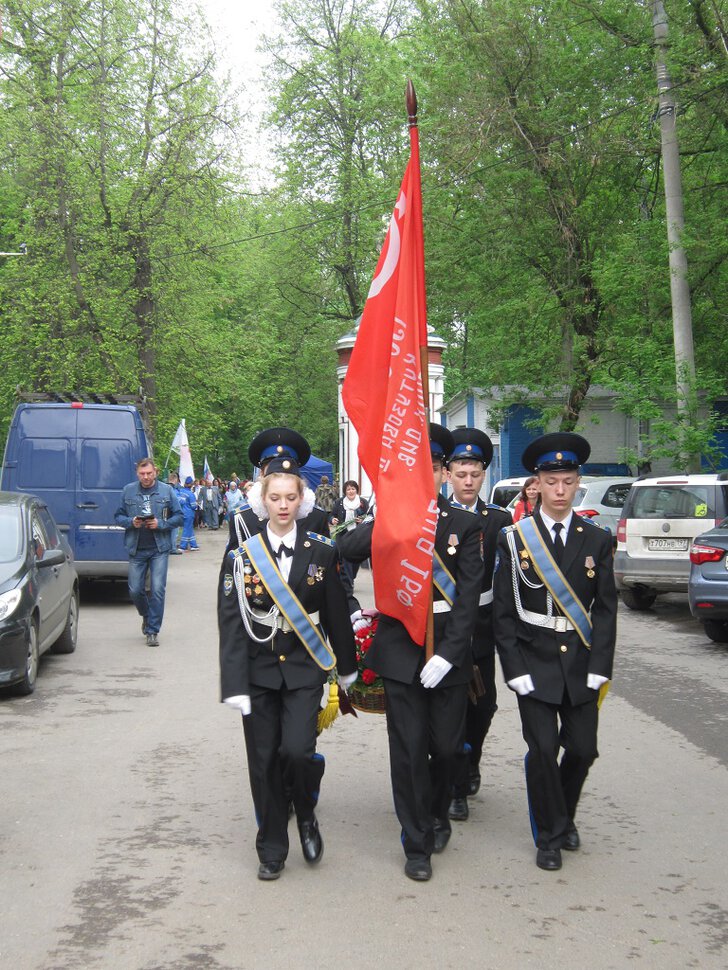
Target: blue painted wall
514	438
471	411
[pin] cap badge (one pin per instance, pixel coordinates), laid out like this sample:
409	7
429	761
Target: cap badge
559	456
286	464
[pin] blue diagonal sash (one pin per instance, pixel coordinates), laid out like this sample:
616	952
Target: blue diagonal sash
287	602
553	579
443	579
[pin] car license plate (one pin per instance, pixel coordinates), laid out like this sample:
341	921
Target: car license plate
668	545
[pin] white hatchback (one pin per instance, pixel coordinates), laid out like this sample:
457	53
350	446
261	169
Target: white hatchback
661	517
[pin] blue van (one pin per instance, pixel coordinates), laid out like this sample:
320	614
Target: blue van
77	457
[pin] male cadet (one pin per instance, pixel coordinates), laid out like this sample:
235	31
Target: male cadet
555	621
426	700
466	472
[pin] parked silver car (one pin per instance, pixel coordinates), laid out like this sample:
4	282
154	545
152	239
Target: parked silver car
601	500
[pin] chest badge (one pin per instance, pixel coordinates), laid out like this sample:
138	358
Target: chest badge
452	545
589	566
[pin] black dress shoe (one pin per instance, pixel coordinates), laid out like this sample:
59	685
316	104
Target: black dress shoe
572	841
270	870
442	835
548	859
458	810
418	869
473	781
311	841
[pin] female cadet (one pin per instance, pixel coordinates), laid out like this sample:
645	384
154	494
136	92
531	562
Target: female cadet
284	624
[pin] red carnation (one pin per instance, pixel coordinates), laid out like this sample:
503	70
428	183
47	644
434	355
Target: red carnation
368	676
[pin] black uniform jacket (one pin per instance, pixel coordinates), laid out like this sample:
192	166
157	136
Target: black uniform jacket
245	523
284	660
393	653
558	661
492	519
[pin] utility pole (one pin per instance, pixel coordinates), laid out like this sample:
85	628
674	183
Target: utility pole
682	324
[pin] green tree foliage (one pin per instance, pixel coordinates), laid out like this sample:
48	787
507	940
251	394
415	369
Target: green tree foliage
337	90
114	142
152	266
547	261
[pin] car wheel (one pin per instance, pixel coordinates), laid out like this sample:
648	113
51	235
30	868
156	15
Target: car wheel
716	630
32	659
66	642
636	599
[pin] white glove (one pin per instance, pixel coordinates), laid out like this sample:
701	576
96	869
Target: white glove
522	685
595	681
241	703
346	680
359	622
434	670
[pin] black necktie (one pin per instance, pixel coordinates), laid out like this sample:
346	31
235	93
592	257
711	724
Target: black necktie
283	551
558	541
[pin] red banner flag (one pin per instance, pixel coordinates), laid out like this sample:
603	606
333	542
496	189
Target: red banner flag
383	397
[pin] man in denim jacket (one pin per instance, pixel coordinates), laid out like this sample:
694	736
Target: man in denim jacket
149	512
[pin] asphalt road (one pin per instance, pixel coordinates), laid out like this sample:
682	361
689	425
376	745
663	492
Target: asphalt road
127	836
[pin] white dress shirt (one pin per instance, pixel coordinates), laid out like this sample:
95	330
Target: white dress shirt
288	540
549	522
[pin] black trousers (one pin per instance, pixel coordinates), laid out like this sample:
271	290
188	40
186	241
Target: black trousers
478	719
425	729
280	741
554	788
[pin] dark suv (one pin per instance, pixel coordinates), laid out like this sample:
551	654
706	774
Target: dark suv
661	517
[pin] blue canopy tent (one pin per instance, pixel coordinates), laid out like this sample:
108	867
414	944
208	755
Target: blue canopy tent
314	469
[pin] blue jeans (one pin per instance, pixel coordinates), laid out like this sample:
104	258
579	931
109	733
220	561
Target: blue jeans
149	605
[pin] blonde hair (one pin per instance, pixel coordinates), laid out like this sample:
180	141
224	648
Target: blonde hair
267	479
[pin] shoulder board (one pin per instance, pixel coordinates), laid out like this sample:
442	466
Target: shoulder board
325	539
596	525
242	508
495	508
509	528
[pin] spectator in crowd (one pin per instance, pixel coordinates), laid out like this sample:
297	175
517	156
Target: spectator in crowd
177	533
325	497
527	499
188	542
234	497
350	509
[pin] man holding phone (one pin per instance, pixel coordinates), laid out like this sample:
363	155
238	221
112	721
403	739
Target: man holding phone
149	513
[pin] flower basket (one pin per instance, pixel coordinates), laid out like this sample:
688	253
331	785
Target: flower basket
369	700
367	691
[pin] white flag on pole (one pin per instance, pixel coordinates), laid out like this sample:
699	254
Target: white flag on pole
182	446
